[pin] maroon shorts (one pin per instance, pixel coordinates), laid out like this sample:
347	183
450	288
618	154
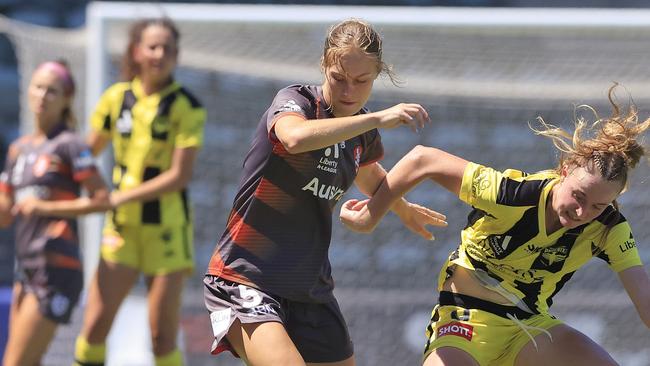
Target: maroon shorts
318	330
57	290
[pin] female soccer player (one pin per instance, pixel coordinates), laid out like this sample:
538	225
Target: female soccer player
526	236
40	188
268	286
156	127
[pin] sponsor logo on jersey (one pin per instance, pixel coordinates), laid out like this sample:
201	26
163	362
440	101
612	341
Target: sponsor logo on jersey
220	321
357	157
84	160
456	329
327	165
555	254
629	244
531	248
329	161
499	244
125	122
264	309
41	166
324	191
290	106
35	191
481	183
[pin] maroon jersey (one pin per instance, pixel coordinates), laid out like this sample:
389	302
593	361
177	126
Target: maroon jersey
279	230
50	170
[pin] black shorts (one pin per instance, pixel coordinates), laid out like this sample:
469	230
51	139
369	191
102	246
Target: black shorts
57	290
318	330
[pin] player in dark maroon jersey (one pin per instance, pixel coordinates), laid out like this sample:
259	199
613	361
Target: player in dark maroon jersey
268	286
40	188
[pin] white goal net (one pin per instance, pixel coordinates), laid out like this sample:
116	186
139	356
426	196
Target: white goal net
481	73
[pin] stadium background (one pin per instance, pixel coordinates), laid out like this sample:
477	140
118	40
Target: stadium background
481	87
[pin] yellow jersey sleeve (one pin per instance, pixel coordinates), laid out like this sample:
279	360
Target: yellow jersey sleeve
191	122
480	187
620	251
104	113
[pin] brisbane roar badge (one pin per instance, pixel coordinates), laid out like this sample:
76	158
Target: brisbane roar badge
41	166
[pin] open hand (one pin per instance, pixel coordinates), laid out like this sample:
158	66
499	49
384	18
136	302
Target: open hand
27	207
416	218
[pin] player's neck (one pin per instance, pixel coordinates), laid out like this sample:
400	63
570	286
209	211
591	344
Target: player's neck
150	86
44	128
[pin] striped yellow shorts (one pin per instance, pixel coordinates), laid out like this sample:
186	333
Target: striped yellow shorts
152	249
492	334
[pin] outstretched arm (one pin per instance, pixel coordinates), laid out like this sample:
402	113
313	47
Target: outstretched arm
299	135
414	216
637	284
419	164
97	200
97	142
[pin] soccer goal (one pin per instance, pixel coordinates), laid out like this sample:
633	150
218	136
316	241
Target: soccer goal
481	73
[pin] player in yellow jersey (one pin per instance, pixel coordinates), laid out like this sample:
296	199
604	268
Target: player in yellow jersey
156	127
526	236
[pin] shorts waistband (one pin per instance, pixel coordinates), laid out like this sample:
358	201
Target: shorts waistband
470	302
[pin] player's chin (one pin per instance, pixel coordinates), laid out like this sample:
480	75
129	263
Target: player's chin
569	223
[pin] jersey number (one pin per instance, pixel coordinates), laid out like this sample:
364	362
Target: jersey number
251	297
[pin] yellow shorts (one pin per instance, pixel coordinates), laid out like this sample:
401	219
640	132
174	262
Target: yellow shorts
152	249
482	328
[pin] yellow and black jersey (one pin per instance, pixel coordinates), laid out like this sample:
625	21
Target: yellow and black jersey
145	130
506	241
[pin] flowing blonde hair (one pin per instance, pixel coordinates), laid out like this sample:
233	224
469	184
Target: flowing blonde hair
611	146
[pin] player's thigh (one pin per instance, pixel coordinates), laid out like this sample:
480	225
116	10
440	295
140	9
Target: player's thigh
449	356
108	288
320	333
264	344
17	296
249	322
31	333
568	347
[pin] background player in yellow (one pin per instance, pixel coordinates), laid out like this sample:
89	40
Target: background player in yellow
156	127
40	189
526	236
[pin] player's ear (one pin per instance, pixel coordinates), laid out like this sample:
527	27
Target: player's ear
564	171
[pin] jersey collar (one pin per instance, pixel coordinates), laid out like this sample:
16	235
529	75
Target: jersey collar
541	214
